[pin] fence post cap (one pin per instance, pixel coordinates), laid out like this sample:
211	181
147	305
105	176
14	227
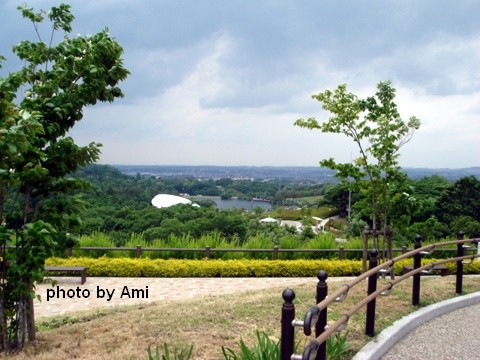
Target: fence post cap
322	275
418	238
374	253
288	295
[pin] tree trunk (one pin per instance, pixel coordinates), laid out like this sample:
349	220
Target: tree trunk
21	323
374	223
2	202
26	204
30	316
5	346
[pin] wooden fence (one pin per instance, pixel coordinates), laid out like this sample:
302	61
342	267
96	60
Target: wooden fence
208	251
317	315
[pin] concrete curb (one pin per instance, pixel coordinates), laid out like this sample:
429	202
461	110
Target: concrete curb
375	349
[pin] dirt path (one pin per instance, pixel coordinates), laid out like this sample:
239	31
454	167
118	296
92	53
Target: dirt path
98	292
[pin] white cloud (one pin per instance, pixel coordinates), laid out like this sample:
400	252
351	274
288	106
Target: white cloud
450	132
222	82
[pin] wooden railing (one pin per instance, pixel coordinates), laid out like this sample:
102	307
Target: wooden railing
208	251
317	315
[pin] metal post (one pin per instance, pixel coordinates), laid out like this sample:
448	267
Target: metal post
417	262
341	253
207	252
287	338
322	292
138	251
459	282
372	287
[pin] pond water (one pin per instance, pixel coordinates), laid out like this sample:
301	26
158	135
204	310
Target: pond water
226	204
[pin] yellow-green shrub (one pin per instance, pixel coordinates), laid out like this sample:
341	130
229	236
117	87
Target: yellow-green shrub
473	268
144	267
127	267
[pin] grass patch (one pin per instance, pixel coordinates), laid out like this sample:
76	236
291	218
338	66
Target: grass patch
211	322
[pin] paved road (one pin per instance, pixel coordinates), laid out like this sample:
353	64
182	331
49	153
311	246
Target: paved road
452	336
446	330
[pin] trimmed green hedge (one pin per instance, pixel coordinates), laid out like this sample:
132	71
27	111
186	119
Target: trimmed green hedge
127	267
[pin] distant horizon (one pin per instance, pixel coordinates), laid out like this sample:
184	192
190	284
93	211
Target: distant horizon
281	166
293	172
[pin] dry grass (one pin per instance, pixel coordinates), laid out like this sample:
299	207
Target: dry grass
212	322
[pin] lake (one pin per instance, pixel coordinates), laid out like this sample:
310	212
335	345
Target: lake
225	204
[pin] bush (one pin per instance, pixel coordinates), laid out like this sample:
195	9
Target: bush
126	267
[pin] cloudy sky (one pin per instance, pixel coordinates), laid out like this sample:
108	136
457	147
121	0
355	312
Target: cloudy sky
216	82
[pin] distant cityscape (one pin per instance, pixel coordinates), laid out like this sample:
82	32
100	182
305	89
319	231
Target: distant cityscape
282	173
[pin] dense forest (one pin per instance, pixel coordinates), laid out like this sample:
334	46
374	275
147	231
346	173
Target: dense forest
120	205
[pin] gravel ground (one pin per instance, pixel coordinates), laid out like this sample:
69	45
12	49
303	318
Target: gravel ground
452	336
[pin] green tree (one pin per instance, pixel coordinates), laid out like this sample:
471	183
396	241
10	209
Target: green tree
466	224
376	128
429	229
461	198
339	196
427	191
39	105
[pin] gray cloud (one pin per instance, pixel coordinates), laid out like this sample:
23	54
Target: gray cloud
234	75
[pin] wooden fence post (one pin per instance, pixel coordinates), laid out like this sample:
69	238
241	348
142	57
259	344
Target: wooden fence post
138	251
275	253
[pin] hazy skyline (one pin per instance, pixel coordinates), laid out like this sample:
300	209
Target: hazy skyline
222	82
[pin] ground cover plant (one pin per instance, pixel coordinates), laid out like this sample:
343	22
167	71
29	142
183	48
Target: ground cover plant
216	241
264	240
209	323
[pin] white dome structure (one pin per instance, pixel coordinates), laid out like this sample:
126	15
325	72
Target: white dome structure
167	200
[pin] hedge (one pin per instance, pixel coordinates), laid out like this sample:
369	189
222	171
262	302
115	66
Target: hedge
127	267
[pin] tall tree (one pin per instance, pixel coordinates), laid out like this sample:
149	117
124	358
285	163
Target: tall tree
461	198
376	128
39	105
